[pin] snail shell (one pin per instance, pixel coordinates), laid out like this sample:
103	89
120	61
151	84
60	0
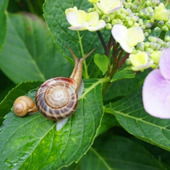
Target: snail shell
57	98
23	105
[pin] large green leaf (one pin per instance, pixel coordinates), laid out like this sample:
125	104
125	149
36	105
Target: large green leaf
29	52
21	89
124	86
54	13
108	121
32	142
125	73
131	115
115	152
3	6
35	7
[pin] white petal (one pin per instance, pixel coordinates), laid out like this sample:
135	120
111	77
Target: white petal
80	28
119	32
76	17
101	24
126	47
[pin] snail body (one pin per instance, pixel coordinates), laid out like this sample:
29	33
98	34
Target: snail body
57	98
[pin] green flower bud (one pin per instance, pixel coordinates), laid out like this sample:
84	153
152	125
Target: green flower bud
154	45
108	26
134	18
130	23
150	50
148	3
168	24
140	46
157	30
146	34
151	38
141	13
161	23
150	9
146	44
148	24
165	28
122	16
167	38
140	21
155	55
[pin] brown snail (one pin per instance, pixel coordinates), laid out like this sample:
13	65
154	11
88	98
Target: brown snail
23	105
57	98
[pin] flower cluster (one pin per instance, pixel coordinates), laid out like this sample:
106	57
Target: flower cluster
140	27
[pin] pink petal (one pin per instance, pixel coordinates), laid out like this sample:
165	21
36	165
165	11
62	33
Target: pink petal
165	64
156	95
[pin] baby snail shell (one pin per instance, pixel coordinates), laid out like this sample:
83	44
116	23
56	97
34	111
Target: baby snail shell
57	98
23	105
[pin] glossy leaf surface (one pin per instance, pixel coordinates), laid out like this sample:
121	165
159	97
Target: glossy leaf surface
131	115
30	51
20	90
112	152
32	142
3	24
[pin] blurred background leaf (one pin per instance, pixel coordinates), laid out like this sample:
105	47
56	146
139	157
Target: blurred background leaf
3	6
29	52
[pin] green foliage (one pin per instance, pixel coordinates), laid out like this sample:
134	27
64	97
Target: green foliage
112	152
30	52
3	6
109	130
5	86
20	90
122	74
38	145
102	62
131	116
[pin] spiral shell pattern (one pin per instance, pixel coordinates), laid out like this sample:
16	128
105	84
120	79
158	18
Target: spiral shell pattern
57	98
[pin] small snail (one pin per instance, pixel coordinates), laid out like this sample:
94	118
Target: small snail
23	105
57	98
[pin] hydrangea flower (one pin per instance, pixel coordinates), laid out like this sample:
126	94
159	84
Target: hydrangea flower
156	88
127	37
161	13
108	6
155	55
81	20
140	61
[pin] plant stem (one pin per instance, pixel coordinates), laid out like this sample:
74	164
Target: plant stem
123	60
102	41
100	81
166	2
30	6
86	76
